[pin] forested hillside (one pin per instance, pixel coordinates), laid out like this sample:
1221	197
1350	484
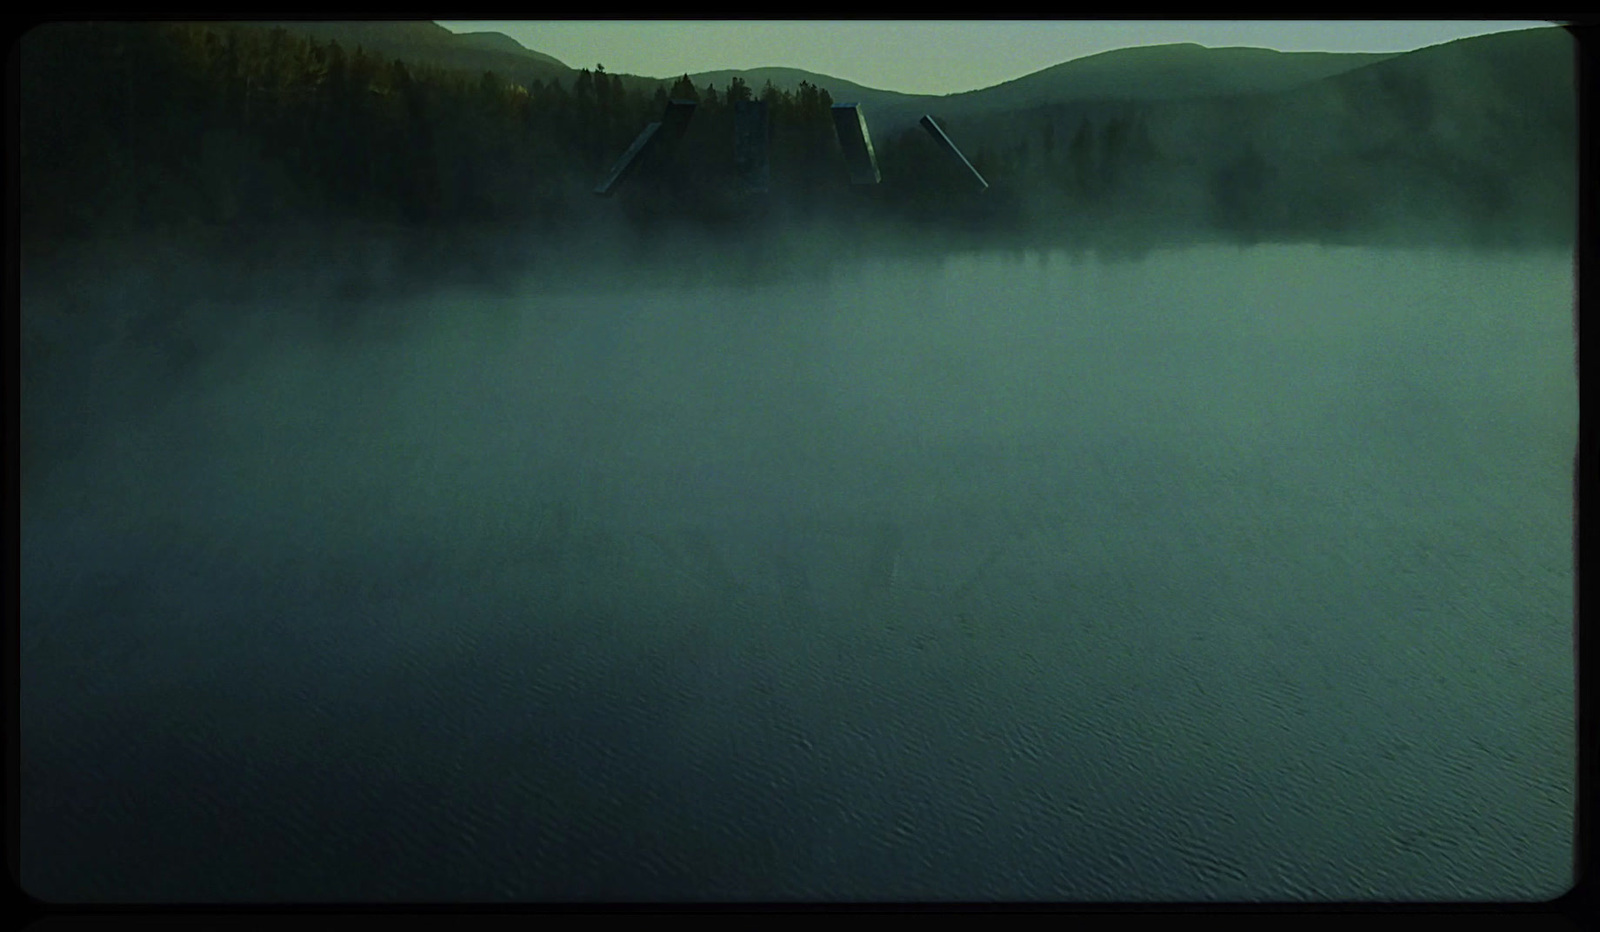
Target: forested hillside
1473	139
129	127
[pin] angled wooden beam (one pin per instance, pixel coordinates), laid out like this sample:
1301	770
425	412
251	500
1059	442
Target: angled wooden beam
663	134
851	125
628	162
950	147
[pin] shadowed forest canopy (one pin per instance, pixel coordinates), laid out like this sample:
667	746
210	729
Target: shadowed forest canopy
127	127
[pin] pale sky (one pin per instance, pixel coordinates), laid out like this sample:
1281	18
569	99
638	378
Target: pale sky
922	57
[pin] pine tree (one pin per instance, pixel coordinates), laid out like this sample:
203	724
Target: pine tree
683	89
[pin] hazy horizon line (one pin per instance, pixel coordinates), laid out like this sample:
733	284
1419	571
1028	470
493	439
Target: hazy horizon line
1208	35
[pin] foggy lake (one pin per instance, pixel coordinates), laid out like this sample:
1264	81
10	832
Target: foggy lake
1204	573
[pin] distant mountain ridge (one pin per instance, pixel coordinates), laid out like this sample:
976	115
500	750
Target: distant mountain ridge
1168	72
224	123
500	42
1141	72
1171	72
429	43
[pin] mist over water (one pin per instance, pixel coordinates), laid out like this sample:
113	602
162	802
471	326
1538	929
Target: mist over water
1204	574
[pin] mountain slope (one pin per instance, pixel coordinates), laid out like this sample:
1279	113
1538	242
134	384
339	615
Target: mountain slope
500	42
1169	72
432	44
1477	134
1145	73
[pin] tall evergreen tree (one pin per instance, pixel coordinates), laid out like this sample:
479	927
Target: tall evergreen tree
683	89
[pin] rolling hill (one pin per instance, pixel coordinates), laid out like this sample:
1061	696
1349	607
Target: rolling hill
1164	72
1473	132
1143	74
430	43
146	126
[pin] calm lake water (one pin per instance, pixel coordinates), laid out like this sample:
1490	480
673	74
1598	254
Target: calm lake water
1210	574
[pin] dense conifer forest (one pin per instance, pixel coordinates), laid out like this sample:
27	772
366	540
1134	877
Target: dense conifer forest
130	127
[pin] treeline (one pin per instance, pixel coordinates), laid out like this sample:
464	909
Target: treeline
698	178
1097	168
133	126
136	126
1470	141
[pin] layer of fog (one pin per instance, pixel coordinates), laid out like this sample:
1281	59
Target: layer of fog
717	521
